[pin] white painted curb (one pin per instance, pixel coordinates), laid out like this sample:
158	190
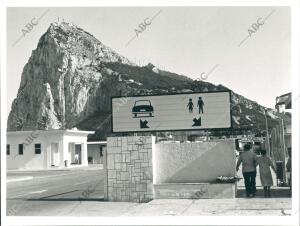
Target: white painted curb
19	179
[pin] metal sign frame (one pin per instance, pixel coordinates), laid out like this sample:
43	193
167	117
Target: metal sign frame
169	94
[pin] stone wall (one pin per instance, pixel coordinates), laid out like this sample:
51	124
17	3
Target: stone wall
129	169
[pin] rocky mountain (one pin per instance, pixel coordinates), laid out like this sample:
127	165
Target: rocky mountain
70	77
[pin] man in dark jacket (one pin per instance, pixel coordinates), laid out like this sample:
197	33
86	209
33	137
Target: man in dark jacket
249	163
289	169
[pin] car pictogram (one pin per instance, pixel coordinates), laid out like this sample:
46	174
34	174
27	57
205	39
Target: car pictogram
143	107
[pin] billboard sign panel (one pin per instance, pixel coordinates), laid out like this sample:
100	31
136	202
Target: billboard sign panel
186	111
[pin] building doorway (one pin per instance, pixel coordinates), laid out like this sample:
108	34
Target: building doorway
55	158
77	153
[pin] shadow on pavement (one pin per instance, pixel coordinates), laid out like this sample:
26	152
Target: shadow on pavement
69	199
276	192
75	195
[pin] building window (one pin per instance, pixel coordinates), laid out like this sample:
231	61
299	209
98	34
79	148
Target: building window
8	149
37	148
20	149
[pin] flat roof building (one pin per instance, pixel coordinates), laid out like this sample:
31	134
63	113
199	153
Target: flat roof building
284	103
46	149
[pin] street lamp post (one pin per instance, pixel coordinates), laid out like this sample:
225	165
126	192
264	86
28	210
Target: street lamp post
284	151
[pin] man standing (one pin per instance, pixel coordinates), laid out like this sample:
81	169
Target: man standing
249	161
289	169
76	158
200	105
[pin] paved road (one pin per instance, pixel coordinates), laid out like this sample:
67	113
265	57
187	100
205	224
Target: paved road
50	190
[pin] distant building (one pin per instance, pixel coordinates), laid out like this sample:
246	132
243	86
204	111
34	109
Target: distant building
284	103
45	149
96	151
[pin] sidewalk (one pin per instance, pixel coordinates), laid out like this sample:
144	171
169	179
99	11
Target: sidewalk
206	207
171	207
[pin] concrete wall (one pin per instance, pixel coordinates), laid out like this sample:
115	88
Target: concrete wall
195	191
129	169
193	162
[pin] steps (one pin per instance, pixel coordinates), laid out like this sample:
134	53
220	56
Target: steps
195	191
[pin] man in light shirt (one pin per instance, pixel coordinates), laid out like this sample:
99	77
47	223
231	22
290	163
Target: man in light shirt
249	163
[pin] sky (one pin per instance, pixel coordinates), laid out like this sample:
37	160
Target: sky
185	40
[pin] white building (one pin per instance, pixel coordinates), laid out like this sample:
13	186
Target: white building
284	103
44	149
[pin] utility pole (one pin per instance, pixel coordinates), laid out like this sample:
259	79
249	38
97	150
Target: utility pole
284	151
268	139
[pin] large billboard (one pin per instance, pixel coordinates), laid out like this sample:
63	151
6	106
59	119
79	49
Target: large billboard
186	111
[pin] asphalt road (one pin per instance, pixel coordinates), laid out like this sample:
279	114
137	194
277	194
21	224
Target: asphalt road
48	191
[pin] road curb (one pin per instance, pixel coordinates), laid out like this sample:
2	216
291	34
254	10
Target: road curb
57	169
19	179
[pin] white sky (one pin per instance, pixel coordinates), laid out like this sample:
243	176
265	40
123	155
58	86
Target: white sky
186	40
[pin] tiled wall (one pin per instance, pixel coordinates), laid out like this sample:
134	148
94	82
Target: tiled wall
129	169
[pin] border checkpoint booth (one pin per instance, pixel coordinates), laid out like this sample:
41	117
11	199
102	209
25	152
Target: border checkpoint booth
45	149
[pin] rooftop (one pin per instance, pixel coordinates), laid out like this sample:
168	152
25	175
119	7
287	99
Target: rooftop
67	131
